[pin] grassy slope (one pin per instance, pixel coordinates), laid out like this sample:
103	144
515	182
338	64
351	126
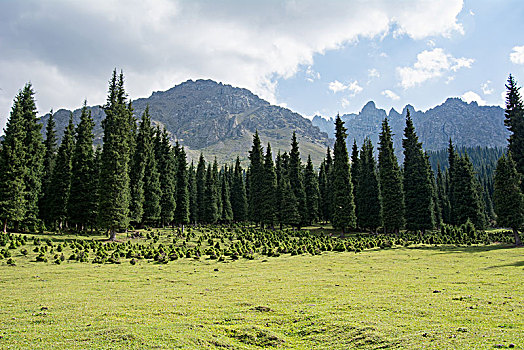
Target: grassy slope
374	299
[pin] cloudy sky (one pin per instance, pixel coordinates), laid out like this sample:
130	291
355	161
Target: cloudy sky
315	57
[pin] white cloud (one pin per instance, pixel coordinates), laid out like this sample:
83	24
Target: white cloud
431	64
486	89
311	75
390	94
162	43
373	73
352	87
517	55
431	43
344	102
471	96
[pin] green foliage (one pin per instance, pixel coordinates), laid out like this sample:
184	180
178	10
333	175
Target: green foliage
367	197
296	178
312	192
166	163
181	215
417	182
238	194
50	145
390	180
268	195
210	197
256	179
515	123
343	203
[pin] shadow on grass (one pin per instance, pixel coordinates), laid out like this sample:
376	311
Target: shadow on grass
466	249
515	264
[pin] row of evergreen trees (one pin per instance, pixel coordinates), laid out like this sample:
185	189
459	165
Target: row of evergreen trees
138	178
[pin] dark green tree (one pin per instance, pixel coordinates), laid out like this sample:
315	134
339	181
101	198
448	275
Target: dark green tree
227	210
33	155
269	184
417	184
467	201
442	197
82	198
114	191
200	188
210	198
12	168
355	173
50	145
238	194
182	187
153	192
296	178
390	182
289	205
343	202
192	189
312	192
256	179
61	176
166	164
507	196
515	123
367	195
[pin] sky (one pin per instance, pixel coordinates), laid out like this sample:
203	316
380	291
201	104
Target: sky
314	57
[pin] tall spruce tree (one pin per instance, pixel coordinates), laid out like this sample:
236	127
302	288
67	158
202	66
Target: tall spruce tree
82	199
200	188
151	180
451	178
269	184
114	193
50	145
355	175
367	195
343	202
61	176
322	187
210	197
515	123
33	155
390	182
467	200
182	187
312	192
507	196
256	179
418	189
12	169
192	189
227	210
166	163
238	194
296	178
442	196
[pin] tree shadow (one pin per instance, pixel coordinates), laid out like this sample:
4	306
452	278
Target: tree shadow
515	264
466	249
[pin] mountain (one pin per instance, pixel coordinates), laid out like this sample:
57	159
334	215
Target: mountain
468	124
217	120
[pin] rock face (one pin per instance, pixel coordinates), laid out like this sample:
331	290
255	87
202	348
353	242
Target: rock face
467	124
218	120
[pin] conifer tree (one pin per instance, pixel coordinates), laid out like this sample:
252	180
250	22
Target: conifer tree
153	193
12	168
289	205
507	196
114	193
200	188
50	145
390	182
166	163
217	187
312	192
417	184
227	210
182	190
325	181
343	203
238	194
61	176
210	198
467	201
192	190
256	178
33	155
442	197
451	175
515	123
355	176
269	183
322	186
296	178
367	195
82	200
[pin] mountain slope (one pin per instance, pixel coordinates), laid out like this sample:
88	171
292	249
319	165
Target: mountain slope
218	120
467	124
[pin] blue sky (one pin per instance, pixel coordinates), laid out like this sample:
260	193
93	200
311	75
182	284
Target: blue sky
315	57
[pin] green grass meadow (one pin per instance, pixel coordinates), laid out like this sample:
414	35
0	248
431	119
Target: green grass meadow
418	297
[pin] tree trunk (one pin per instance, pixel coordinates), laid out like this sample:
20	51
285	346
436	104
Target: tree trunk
5	226
183	228
112	234
517	237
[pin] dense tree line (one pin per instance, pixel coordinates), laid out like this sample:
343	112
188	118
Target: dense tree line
139	178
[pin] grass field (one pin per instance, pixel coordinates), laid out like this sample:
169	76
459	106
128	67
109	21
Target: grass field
404	297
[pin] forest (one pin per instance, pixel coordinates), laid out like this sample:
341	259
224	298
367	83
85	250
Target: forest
138	179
